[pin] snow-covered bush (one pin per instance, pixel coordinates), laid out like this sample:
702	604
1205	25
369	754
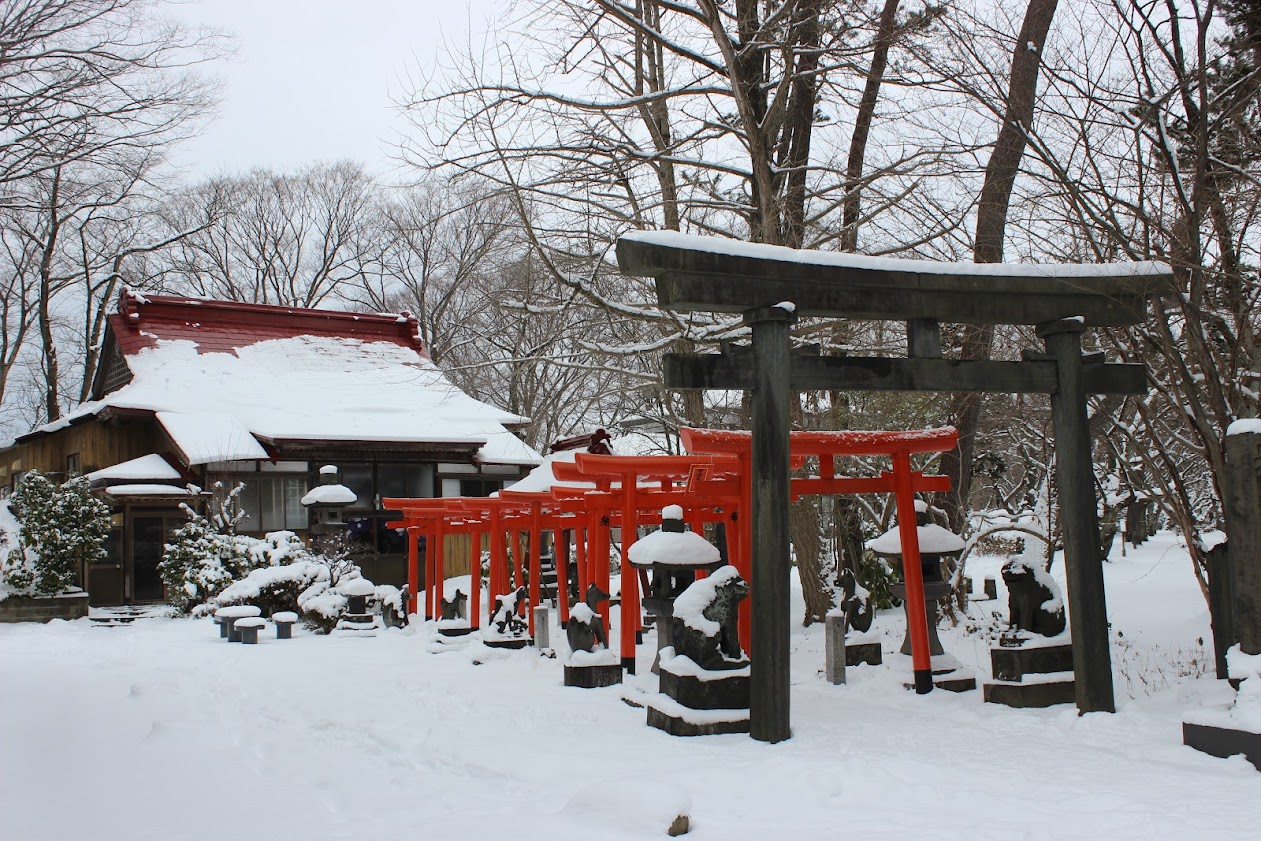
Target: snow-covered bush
275	589
199	562
60	529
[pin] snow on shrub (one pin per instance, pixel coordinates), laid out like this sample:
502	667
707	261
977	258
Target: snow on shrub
58	529
275	589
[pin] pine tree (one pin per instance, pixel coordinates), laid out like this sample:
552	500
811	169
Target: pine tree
63	528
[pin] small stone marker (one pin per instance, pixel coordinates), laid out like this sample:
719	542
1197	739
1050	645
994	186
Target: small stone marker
834	647
248	628
285	621
542	631
231	614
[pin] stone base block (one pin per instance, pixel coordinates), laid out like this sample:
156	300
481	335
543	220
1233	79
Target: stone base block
727	693
1012	664
1223	742
24	609
507	642
679	727
592	677
455	632
959	680
1031	695
866	652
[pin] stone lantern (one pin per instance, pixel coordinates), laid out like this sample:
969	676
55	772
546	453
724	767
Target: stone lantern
326	502
935	545
674	555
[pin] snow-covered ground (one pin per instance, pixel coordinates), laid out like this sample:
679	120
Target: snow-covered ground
160	730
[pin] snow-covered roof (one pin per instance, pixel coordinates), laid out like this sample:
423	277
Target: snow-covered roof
148	489
683	549
329	495
152	466
224	377
738	248
933	539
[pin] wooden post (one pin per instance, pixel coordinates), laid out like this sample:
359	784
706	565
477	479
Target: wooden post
560	549
536	565
475	571
436	589
498	560
630	580
769	683
1243	529
1221	602
912	574
413	570
1079	520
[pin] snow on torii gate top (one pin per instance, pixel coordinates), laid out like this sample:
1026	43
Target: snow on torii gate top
713	274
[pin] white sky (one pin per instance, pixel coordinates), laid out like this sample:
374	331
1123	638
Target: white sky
313	80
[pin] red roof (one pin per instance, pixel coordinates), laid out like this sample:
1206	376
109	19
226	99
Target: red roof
224	326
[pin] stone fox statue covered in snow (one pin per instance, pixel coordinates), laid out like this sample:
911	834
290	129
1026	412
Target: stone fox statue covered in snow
585	629
507	614
1033	599
454	608
705	621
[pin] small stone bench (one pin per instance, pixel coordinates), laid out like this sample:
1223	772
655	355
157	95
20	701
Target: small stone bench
248	628
230	615
285	620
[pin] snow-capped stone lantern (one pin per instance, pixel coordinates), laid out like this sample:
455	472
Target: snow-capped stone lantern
935	545
674	555
326	502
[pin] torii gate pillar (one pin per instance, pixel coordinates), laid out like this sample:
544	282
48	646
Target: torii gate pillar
768	680
1079	519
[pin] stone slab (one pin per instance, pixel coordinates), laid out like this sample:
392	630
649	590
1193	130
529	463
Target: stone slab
1012	664
1223	742
678	727
455	632
865	652
1031	695
593	677
728	693
507	643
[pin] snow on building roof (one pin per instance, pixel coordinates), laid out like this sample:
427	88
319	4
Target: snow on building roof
224	376
211	436
148	489
152	466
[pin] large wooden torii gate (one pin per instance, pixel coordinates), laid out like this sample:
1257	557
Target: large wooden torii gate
773	286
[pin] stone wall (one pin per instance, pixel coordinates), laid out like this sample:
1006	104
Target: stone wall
19	609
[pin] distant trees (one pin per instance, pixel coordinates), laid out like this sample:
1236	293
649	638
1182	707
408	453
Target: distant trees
92	94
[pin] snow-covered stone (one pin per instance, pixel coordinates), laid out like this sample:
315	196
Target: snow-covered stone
933	539
684	549
329	495
1244	426
690	605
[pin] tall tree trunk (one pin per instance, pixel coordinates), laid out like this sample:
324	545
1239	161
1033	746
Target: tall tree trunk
862	127
52	368
991	226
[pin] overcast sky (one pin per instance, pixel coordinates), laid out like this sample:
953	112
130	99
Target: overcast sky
312	79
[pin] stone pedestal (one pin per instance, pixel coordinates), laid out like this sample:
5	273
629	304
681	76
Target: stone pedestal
699	702
949	674
593	677
542	628
1032	672
1223	741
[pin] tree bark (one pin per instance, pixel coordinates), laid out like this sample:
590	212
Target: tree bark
991	226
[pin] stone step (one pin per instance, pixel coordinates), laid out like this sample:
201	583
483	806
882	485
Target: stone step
1044	693
1013	663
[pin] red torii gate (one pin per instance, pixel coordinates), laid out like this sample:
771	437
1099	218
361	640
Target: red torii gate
712	483
902	482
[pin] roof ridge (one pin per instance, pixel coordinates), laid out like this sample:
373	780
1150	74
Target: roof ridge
135	308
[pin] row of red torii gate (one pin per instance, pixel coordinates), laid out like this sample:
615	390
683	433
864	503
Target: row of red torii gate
589	494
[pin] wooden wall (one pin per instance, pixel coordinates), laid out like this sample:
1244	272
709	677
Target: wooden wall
99	444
